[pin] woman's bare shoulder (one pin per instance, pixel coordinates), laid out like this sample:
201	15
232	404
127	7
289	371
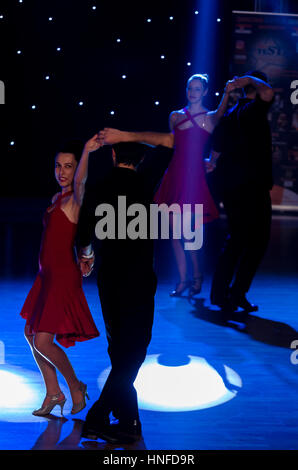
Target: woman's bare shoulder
177	116
178	112
54	198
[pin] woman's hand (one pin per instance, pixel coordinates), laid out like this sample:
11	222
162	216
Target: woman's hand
209	165
93	144
232	85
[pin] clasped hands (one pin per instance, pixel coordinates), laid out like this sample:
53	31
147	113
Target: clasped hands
86	263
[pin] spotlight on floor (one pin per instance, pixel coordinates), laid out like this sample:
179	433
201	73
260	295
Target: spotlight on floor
192	386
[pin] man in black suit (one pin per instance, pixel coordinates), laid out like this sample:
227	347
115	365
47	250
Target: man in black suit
126	279
242	153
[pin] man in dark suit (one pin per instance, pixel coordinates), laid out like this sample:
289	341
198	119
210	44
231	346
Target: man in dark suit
242	153
126	280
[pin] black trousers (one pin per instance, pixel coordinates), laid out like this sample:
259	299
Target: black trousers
248	211
128	316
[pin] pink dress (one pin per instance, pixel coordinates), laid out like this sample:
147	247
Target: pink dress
184	181
56	302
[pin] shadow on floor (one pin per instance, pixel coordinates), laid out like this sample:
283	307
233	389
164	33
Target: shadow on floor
260	329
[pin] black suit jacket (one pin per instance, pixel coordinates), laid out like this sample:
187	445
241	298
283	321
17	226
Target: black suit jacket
125	261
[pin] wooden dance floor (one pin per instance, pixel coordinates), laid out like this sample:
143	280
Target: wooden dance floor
204	386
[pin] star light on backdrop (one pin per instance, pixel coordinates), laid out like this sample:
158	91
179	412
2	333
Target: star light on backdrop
118	40
60	53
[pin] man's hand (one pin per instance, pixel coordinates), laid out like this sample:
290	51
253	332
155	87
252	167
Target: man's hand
241	82
94	143
86	267
111	136
86	260
231	85
209	165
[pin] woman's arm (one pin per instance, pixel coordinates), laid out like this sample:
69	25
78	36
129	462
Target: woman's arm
81	173
113	136
222	107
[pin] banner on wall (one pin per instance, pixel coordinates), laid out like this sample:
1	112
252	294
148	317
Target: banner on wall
269	42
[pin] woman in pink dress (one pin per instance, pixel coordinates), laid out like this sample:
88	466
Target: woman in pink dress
184	181
56	306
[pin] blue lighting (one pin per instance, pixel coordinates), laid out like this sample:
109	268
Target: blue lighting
112	113
81	103
148	20
33	106
123	76
192	386
204	58
22	390
58	49
19	52
12	143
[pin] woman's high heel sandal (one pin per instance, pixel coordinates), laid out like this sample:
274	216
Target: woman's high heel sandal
45	410
180	288
196	286
77	407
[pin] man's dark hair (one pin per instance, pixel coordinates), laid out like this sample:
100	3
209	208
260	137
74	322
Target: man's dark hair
130	153
72	146
256	74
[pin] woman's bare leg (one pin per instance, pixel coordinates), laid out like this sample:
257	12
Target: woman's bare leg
180	259
44	343
48	371
196	269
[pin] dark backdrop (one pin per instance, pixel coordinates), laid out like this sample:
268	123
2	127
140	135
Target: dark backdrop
89	68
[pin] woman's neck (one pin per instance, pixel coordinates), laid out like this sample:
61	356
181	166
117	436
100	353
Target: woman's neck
195	108
66	189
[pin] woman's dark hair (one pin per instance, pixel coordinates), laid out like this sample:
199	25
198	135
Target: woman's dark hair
130	153
72	146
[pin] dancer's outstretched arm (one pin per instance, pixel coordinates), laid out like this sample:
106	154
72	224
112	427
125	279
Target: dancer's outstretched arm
112	136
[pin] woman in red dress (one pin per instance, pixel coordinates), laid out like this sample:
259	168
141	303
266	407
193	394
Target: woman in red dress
56	305
184	181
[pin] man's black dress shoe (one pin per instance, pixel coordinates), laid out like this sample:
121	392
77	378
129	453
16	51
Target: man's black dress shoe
93	431
122	433
242	302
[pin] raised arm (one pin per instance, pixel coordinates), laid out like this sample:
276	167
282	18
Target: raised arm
113	136
222	107
81	173
263	89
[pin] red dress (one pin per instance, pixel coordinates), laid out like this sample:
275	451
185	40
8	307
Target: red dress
56	302
184	181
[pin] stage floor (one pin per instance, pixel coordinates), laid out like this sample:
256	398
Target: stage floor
205	385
